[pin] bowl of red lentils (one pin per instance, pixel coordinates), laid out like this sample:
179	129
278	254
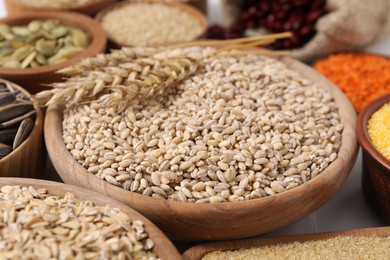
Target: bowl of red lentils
373	130
362	76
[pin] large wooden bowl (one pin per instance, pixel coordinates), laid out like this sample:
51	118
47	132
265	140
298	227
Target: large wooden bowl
376	168
15	7
36	79
163	247
28	159
184	7
199	251
230	220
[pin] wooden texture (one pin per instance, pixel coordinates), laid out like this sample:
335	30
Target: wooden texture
28	159
163	247
197	252
221	221
184	7
15	7
376	168
36	79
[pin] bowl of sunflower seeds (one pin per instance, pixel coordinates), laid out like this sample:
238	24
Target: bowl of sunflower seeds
21	137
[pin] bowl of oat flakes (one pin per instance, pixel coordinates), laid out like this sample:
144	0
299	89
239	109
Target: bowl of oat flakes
59	221
88	7
207	145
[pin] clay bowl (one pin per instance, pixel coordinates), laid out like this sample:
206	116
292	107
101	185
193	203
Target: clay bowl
36	79
15	7
376	168
163	247
28	159
199	251
184	7
221	221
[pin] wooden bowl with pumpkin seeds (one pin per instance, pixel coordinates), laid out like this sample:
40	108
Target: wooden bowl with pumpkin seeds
74	223
88	7
21	139
36	45
219	155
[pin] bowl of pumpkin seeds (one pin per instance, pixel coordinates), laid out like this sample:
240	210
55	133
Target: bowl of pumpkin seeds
33	46
21	138
208	143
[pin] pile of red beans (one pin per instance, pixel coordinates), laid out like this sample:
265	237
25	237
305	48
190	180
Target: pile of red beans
296	16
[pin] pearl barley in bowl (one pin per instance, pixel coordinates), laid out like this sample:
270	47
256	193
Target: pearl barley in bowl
208	145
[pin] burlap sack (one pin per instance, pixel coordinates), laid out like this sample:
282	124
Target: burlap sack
350	24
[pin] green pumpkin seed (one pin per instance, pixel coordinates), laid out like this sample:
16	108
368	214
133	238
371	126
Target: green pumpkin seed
40	59
28	59
21	31
4	30
64	54
34	26
21	53
12	64
45	47
79	38
59	32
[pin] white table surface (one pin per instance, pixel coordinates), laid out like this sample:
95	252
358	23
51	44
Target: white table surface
347	209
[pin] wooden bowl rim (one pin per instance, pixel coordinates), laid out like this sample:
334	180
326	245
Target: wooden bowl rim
73	7
55	113
185	7
56	188
37	124
200	250
362	131
79	20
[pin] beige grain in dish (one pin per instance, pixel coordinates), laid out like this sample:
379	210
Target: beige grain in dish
140	24
37	225
342	247
240	128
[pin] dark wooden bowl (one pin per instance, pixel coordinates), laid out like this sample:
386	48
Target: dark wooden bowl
163	247
14	7
376	168
221	221
28	159
36	79
184	7
199	251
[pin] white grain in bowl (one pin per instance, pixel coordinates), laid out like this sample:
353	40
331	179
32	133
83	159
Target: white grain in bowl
150	23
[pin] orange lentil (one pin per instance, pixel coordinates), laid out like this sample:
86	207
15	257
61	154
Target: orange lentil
362	77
